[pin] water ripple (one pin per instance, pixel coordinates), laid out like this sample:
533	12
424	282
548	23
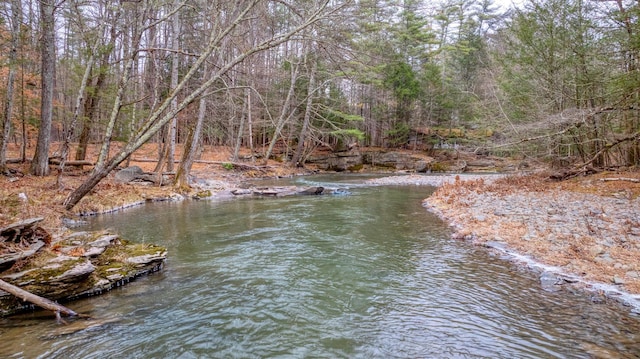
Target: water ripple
369	275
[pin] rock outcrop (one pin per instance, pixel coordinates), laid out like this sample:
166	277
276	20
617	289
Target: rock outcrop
354	160
78	265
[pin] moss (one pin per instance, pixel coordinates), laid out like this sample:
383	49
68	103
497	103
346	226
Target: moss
113	260
202	194
439	167
356	168
40	275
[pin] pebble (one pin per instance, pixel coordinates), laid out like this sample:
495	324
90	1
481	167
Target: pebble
618	281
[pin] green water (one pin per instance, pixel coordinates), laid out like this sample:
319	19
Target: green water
367	275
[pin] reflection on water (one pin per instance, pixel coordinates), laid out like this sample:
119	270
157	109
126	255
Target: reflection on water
369	275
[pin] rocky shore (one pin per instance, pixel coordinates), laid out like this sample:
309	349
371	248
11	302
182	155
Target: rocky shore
584	233
79	264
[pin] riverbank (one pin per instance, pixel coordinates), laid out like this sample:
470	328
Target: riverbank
584	231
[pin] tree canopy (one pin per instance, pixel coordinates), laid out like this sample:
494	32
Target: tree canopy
554	79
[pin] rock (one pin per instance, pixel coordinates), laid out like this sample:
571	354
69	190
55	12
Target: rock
76	273
604	258
147	258
312	191
128	174
421	166
353	160
94	251
104	241
617	280
633	274
83	264
550	282
594	251
73	223
480	217
136	174
7	260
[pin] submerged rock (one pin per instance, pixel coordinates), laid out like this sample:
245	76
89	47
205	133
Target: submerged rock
79	265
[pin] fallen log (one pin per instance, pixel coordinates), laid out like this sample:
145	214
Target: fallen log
57	161
222	163
37	300
571	173
634	180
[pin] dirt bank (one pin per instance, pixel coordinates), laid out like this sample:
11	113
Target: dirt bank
587	229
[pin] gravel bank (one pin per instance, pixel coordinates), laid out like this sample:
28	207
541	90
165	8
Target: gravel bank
589	240
428	180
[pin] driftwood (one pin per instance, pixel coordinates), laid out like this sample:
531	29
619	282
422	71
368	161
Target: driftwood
634	180
575	172
37	300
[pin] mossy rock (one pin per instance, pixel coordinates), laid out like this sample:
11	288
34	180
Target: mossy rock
202	194
71	268
439	167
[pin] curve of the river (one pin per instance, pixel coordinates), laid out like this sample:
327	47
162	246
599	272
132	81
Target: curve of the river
371	274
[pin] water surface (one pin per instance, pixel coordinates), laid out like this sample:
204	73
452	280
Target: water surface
367	275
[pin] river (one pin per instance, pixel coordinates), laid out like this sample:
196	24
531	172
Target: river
370	274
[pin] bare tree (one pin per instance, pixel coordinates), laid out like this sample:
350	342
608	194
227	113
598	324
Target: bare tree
16	15
164	113
175	62
297	156
40	164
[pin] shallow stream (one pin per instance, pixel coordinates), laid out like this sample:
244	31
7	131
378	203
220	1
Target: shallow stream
370	274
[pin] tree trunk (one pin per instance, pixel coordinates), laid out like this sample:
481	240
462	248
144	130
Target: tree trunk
285	114
37	300
16	11
175	62
92	97
191	147
236	149
250	124
76	110
131	50
40	164
307	115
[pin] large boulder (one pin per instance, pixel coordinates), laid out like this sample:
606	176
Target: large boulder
135	174
129	174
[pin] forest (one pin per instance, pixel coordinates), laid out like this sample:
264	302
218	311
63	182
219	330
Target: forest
554	80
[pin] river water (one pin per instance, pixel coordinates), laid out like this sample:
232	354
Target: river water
370	274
